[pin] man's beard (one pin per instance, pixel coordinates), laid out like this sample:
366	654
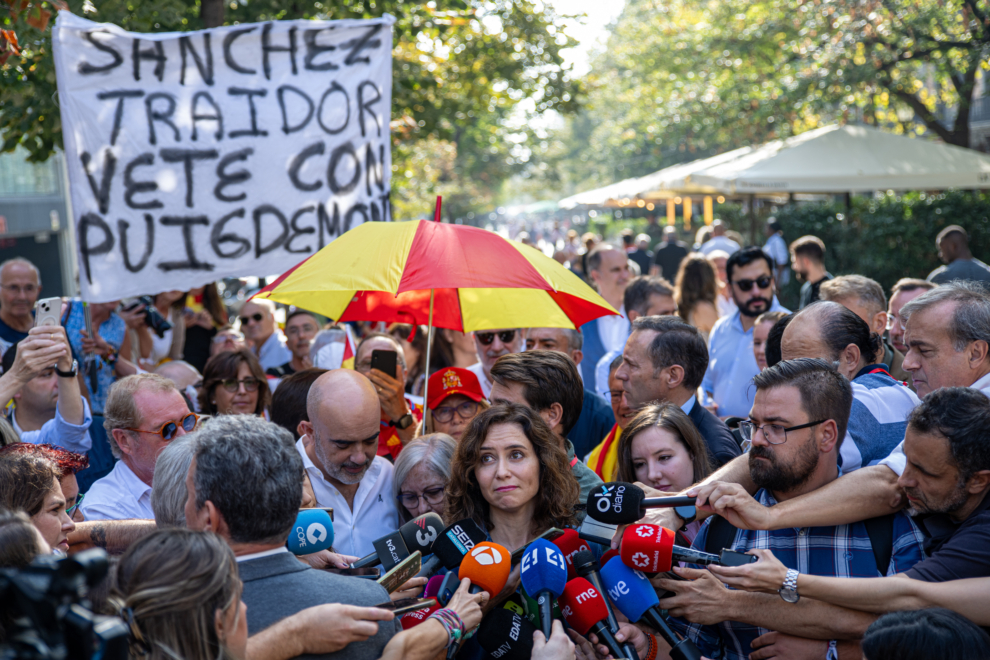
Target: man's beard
779	478
951	503
337	471
745	309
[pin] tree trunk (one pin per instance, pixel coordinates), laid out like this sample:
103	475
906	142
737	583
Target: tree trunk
211	13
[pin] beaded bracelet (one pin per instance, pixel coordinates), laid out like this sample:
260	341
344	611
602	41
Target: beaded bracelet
451	622
651	653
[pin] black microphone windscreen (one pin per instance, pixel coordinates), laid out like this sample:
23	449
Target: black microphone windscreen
421	532
506	635
616	503
455	542
584	559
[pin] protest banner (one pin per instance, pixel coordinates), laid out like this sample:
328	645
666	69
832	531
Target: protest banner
227	152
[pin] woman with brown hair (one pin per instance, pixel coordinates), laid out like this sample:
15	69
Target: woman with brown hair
662	448
511	476
696	293
234	384
29	482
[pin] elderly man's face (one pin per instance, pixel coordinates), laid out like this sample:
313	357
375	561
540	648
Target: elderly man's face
932	357
346	446
493	344
895	325
257	323
19	290
141	447
551	339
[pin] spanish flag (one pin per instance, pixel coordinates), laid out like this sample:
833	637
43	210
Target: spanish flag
349	350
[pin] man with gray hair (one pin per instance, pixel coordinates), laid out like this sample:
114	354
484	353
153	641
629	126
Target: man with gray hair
143	413
20	285
244	483
168	497
258	324
596	415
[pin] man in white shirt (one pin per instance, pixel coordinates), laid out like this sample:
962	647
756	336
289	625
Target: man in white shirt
338	450
143	413
608	268
776	247
491	345
258	325
719	241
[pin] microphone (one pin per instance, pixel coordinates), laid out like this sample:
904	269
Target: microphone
413	619
544	574
393	548
506	635
487	565
312	532
586	567
584	610
433	586
636	598
651	549
455	542
570	544
621	503
607	557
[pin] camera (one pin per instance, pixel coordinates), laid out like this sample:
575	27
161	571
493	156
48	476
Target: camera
46	615
152	317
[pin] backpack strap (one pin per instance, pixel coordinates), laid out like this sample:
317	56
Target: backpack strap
881	532
721	534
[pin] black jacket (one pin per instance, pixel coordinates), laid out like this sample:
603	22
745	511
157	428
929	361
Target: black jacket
721	444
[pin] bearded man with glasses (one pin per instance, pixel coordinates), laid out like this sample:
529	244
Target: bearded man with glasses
491	345
143	413
731	362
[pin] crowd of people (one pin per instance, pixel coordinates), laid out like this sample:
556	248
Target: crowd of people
845	445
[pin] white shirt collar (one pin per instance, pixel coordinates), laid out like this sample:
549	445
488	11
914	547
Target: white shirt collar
131	481
689	404
983	385
263	553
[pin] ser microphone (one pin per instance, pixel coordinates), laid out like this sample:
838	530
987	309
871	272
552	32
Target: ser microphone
621	503
393	548
586	567
636	598
570	544
544	575
506	635
312	532
456	541
584	610
651	549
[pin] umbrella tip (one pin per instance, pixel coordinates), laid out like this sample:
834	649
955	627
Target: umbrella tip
436	213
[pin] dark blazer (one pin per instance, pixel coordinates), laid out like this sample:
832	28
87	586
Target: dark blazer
280	585
593	425
593	350
721	444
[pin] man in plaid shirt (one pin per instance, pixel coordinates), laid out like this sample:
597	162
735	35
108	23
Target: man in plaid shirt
798	420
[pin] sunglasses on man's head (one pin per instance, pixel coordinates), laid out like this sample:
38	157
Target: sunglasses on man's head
762	282
256	317
505	336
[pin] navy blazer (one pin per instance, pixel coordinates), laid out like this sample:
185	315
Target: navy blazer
593	350
721	443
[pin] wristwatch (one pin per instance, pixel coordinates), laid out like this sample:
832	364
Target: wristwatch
71	373
789	591
404	422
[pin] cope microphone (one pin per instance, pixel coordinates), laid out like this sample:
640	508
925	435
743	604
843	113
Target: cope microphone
570	544
584	610
621	503
417	534
651	549
506	635
312	532
586	567
544	575
636	598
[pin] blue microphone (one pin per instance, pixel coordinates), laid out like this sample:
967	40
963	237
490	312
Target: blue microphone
312	532
635	597
544	576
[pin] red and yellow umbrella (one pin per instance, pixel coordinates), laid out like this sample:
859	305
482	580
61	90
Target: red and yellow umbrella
475	279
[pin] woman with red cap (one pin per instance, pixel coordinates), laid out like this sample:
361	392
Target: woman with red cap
455	398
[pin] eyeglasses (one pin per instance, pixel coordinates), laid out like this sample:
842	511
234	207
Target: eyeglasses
299	329
69	511
892	320
762	282
465	410
221	339
504	336
17	289
775	434
232	384
432	496
169	429
256	317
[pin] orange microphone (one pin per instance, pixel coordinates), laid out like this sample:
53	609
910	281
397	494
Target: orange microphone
487	565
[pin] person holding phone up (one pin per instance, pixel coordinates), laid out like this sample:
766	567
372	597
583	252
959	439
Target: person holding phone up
380	358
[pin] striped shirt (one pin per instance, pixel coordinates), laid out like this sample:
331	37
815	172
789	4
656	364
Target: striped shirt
878	417
839	551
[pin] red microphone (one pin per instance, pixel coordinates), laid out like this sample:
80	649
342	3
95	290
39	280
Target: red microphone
608	556
651	549
413	619
487	565
570	544
584	610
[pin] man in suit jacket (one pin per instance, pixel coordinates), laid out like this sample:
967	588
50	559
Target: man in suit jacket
664	361
608	268
245	483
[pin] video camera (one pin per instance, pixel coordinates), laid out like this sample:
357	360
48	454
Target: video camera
47	616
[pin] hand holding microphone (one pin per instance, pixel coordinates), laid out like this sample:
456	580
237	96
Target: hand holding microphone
584	610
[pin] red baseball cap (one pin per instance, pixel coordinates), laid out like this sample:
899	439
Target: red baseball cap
453	380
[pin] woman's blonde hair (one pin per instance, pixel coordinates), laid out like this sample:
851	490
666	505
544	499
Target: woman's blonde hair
169	588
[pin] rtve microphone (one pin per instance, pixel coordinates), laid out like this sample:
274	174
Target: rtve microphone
621	503
312	532
586	566
506	635
544	575
584	610
570	544
393	548
651	549
636	598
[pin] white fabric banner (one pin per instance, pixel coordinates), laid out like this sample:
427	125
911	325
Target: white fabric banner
228	152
